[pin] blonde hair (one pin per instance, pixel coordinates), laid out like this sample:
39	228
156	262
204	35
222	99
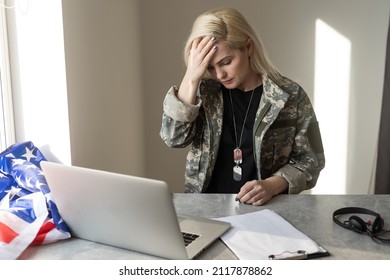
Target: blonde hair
230	26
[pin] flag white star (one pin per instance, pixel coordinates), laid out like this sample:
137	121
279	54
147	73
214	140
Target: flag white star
18	179
29	154
28	182
17	161
38	185
11	193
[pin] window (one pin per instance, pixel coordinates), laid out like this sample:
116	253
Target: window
7	132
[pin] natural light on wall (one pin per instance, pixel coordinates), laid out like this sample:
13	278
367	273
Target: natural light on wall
331	102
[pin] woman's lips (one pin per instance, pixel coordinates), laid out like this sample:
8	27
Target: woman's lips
227	81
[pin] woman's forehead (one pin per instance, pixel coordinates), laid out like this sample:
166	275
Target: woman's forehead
223	51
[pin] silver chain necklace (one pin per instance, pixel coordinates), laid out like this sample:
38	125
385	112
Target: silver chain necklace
237	153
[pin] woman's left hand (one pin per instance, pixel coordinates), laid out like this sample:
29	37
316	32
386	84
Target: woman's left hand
258	192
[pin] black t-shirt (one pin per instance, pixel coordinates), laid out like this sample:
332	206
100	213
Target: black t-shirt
222	179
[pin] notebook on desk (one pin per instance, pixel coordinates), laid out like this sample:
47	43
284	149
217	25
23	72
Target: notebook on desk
128	212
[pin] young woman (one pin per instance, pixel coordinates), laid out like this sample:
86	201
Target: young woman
251	131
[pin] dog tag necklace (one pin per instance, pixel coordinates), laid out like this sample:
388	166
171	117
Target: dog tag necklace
237	153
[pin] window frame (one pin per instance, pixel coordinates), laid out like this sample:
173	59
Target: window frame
7	127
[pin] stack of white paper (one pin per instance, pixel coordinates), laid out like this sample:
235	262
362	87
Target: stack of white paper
266	235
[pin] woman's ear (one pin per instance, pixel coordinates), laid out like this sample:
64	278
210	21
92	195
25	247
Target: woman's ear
249	46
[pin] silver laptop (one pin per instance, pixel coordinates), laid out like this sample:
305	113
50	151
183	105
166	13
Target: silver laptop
128	212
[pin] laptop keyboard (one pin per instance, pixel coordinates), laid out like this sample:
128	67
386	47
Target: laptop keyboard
189	237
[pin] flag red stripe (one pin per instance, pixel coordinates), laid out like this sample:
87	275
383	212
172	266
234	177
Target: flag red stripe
45	228
7	234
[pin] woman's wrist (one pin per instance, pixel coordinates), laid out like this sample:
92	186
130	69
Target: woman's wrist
187	90
279	184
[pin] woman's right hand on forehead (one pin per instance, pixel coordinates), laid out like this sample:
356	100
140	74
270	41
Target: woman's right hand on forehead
201	53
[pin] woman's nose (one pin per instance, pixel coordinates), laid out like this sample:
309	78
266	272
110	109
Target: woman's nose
220	73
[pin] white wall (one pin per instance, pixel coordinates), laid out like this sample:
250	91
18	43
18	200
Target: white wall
123	55
104	84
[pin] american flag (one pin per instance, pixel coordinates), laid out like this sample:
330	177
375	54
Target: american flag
28	214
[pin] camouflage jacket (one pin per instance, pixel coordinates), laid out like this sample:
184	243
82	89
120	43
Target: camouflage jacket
286	136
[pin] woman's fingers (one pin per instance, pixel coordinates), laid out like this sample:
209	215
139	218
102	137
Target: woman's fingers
201	48
206	45
202	51
255	192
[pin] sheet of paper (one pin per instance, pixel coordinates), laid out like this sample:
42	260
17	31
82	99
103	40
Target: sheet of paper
258	235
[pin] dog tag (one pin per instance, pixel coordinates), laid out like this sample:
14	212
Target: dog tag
237	156
237	173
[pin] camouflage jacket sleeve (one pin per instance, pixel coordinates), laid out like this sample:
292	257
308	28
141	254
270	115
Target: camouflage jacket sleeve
307	156
178	120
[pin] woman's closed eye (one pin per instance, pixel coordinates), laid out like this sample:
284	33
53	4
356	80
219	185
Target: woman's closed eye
225	62
220	64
